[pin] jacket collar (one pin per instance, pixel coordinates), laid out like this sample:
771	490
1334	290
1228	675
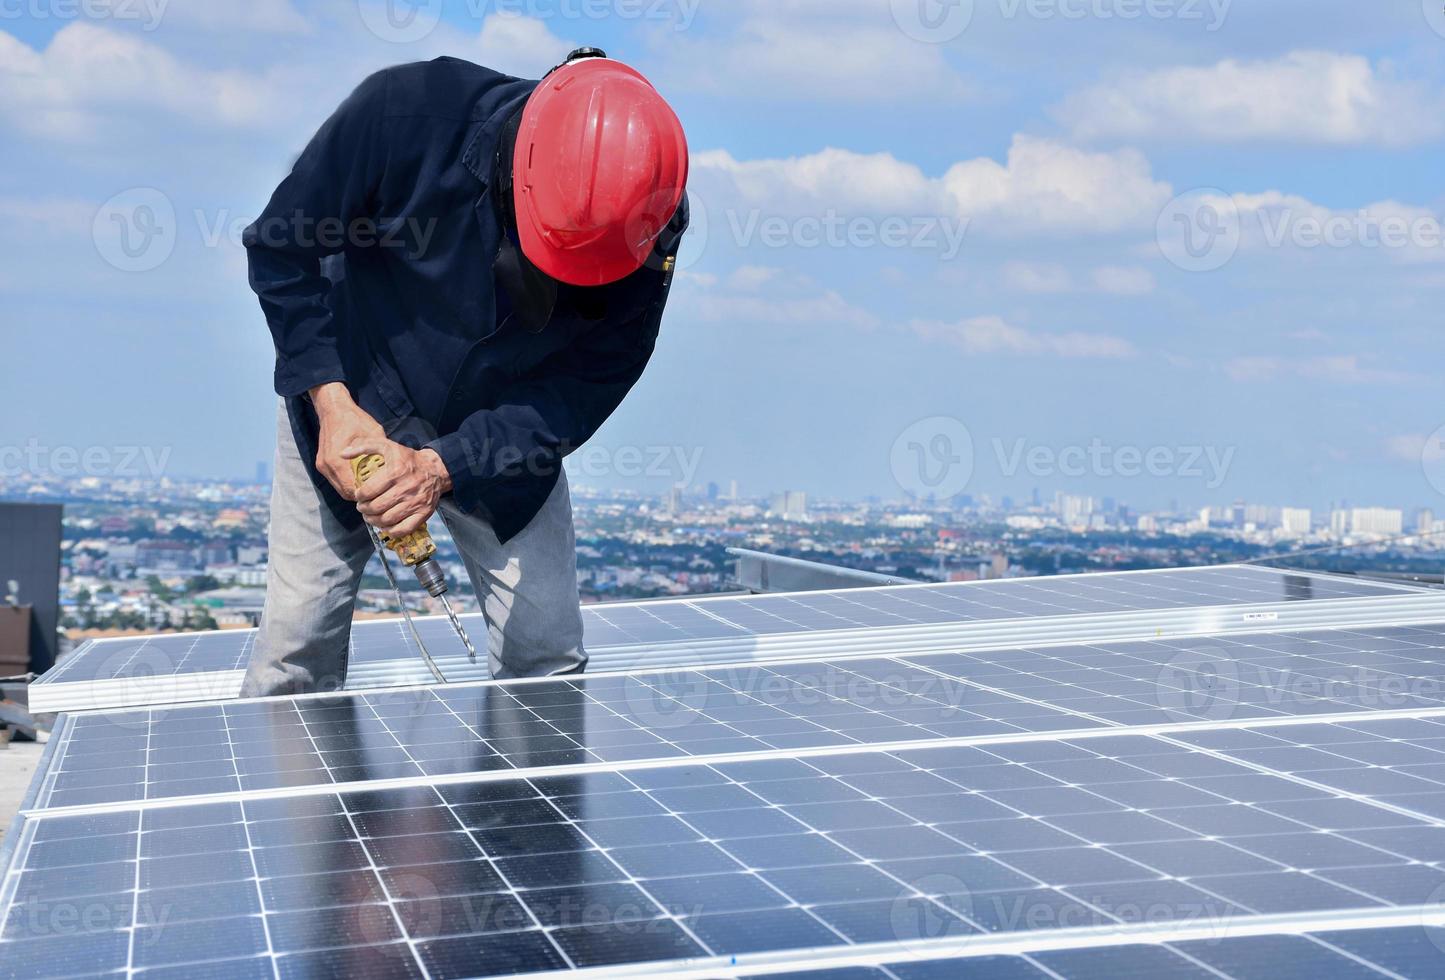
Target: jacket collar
480	153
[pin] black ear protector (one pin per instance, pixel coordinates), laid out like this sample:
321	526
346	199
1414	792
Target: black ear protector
533	293
579	54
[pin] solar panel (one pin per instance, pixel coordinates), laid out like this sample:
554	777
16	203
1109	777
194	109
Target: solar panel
908	849
165	669
1237	804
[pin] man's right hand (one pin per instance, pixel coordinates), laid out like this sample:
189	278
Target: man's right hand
343	424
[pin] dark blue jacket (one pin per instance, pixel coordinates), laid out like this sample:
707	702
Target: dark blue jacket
374	265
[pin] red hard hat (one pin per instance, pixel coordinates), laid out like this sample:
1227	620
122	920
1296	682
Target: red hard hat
599	169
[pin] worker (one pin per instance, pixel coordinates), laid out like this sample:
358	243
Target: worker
464	273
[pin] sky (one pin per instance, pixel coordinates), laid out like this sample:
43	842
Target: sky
1151	249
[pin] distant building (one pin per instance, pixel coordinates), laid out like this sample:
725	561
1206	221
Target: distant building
712	492
1376	520
1260	515
166	556
31	558
1339	523
1295	520
674	501
1424	520
791	505
1074	511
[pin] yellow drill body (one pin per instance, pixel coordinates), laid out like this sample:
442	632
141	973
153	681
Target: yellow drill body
417	546
418	552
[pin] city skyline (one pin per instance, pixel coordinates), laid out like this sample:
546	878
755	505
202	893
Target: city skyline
855	269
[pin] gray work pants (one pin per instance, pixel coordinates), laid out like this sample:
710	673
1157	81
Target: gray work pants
528	586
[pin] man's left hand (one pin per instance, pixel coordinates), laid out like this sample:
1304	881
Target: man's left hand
400	496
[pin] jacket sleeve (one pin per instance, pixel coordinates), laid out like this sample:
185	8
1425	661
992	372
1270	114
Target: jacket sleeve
314	213
552	412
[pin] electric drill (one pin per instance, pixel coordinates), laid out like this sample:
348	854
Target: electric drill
416	550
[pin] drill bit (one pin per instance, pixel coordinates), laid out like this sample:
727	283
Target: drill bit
457	625
405	613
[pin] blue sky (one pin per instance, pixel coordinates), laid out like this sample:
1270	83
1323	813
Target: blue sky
933	235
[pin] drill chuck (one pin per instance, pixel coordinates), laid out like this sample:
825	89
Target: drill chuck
429	574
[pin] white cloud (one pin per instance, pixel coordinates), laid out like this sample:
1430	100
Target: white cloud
90	77
1132	280
1305	96
519	45
1043	187
1410	448
1337	369
260	16
993	335
824	309
751	278
93	82
1274	220
847	51
1036	277
1052	187
1050	277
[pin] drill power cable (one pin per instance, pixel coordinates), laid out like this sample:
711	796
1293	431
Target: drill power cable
406	614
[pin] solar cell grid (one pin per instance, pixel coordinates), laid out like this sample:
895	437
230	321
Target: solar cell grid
707	813
722	618
521	875
1220	677
158	753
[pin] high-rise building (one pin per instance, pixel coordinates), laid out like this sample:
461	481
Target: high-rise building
1339	522
712	492
732	489
1295	520
1424	520
263	472
1376	520
790	505
1074	511
674	501
1260	515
